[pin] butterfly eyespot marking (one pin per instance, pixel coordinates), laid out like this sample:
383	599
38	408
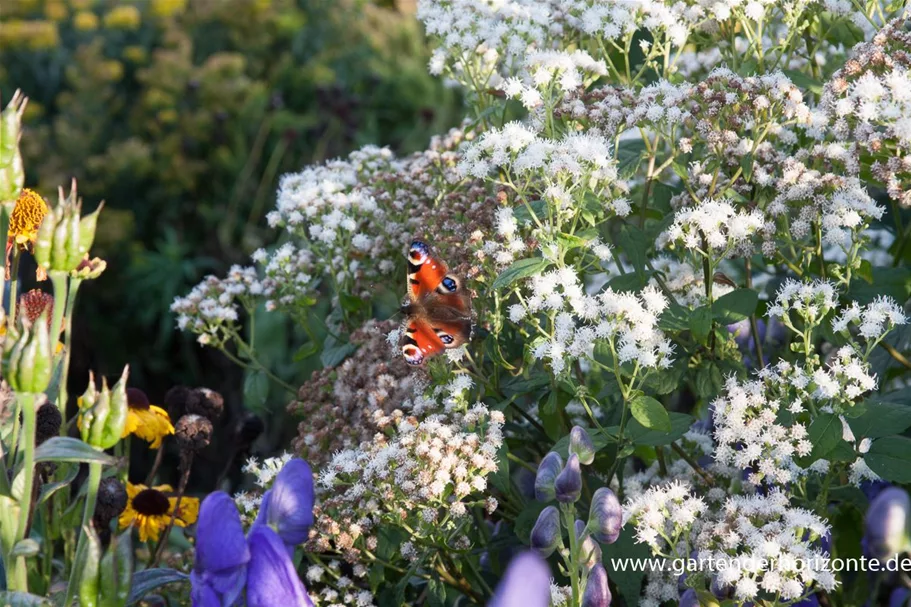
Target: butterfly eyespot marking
449	284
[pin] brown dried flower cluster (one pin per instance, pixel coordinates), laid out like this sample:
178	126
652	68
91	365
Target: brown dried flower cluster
345	406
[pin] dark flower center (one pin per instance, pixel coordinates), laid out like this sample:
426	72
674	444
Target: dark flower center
151	502
137	399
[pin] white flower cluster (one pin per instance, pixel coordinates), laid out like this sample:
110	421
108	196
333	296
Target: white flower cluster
811	301
519	149
568	70
211	309
663	515
628	322
264	473
338	589
771	546
289	276
427	469
749	437
713	228
873	320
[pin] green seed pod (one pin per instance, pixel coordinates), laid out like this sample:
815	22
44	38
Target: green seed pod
65	237
117	418
87	413
12	173
90	561
30	361
103	414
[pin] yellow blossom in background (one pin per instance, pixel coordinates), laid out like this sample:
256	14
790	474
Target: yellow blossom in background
82	4
123	17
148	422
135	54
85	21
150	509
36	35
112	70
168	8
55	10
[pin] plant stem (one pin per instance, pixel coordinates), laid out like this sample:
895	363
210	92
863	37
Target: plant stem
91	496
754	323
569	521
29	418
64	301
13	286
184	477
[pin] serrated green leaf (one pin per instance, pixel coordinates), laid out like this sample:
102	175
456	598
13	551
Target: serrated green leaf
890	458
522	268
629	156
825	433
640	435
700	323
881	418
521	213
66	449
650	413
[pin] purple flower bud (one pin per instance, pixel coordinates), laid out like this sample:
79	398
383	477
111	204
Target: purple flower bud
606	516
545	535
581	444
886	523
526	583
597	591
899	597
288	506
548	470
688	599
568	484
589	550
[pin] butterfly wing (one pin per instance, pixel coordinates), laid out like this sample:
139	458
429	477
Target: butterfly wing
426	271
426	337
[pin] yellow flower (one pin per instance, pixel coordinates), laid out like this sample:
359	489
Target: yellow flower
145	420
85	21
167	8
150	510
123	17
26	217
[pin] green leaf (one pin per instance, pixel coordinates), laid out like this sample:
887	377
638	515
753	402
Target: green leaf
746	163
66	449
890	457
893	282
256	390
335	351
674	318
635	244
735	306
881	418
650	413
525	385
700	323
825	434
627	579
147	580
436	593
23	599
629	155
520	269
521	213
680	423
51	488
306	351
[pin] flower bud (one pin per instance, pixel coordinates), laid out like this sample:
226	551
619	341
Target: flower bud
545	535
568	484
112	500
597	590
886	524
89	268
175	400
581	444
589	550
12	173
605	516
30	363
688	599
103	415
548	470
64	237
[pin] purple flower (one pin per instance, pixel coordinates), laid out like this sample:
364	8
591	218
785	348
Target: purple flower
568	484
548	470
597	592
886	524
287	507
220	572
899	597
526	583
688	599
545	535
581	444
271	577
605	516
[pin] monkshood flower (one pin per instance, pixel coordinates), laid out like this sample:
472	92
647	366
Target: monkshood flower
287	507
227	562
886	524
597	592
222	555
548	470
526	583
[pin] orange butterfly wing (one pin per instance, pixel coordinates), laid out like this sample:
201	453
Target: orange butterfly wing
425	270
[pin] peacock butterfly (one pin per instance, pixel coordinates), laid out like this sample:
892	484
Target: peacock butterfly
437	307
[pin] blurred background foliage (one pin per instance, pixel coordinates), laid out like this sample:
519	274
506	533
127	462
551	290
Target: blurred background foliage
182	115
